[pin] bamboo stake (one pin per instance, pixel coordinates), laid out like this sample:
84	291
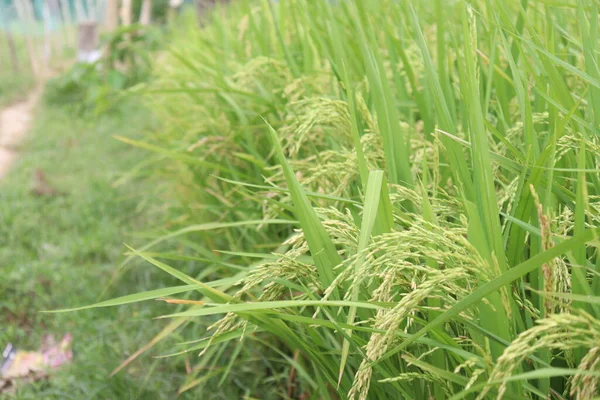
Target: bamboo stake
126	12
67	22
87	38
38	43
58	38
22	12
46	17
10	48
79	11
111	18
173	7
100	10
2	55
146	12
91	10
67	19
13	56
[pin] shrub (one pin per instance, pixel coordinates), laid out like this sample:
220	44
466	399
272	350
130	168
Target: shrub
125	62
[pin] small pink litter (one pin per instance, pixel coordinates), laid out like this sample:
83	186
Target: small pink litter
20	366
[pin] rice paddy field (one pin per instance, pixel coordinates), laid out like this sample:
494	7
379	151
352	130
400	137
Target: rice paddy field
373	200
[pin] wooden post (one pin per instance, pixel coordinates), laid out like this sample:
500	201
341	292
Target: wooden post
87	41
2	59
80	15
12	51
25	15
201	9
111	16
67	21
146	12
2	55
173	7
91	10
65	11
13	57
203	6
47	47
59	40
126	12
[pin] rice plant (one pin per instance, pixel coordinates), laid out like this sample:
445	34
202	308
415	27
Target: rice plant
408	191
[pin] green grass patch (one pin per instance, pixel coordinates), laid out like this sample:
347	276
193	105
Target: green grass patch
60	249
14	87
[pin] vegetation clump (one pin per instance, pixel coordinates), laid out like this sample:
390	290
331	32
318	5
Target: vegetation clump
397	199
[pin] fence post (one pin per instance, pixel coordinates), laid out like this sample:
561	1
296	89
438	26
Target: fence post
67	22
25	14
146	12
126	12
47	46
80	14
87	41
13	56
111	16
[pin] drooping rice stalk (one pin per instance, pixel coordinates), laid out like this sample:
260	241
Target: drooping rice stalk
438	166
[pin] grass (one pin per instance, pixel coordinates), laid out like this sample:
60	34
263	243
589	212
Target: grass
390	199
63	250
14	87
16	75
60	250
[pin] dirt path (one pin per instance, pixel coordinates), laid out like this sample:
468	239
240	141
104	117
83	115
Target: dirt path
15	121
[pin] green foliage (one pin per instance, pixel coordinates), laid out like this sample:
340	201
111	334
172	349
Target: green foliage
125	62
470	271
160	9
79	87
